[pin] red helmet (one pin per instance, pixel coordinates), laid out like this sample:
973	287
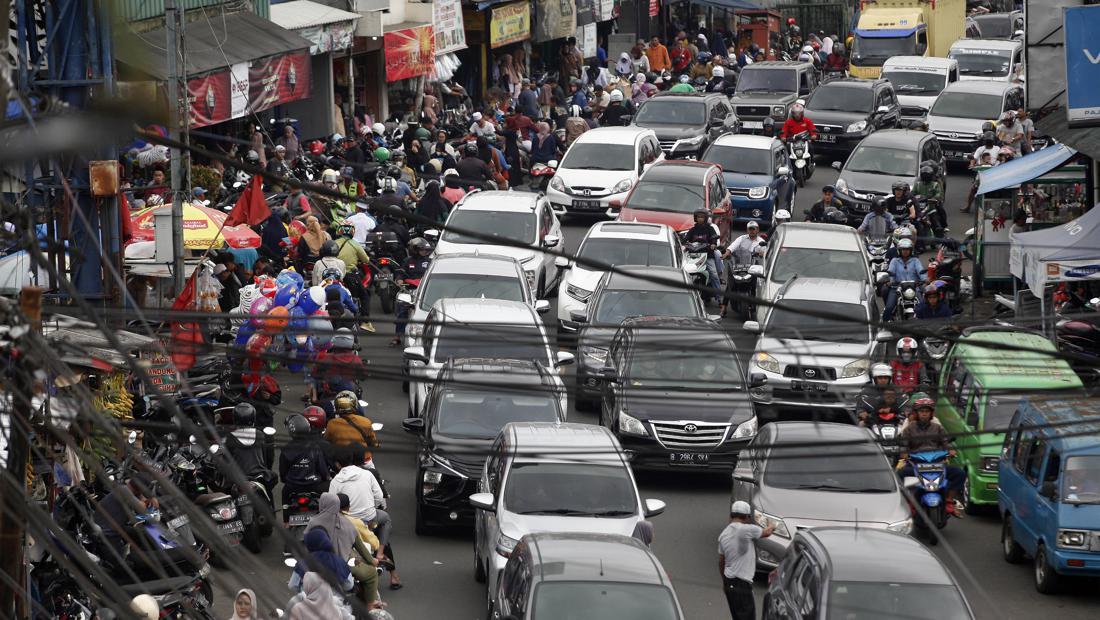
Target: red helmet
817	46
924	402
790	21
315	416
316	148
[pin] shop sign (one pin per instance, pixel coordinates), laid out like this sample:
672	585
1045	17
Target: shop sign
210	99
586	40
1081	23
409	53
450	31
162	373
654	8
278	79
557	19
330	37
509	24
248	87
607	9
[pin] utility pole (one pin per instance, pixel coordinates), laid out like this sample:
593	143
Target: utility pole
178	111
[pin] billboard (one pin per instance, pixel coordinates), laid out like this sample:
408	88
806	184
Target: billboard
1082	57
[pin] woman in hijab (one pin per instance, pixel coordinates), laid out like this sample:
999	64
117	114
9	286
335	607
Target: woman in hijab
643	531
624	66
244	605
340	531
316	601
321	558
641	92
639	62
433	205
544	146
309	246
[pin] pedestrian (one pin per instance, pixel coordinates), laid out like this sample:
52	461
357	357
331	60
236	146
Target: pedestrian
433	205
658	56
737	560
1027	126
289	142
244	605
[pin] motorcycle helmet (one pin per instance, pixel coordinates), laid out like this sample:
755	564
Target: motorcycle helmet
393	171
155	200
718	72
878	205
252	158
399	157
347	172
696	213
651	77
907	349
378	129
345	230
616	96
926	173
389	184
344	404
704	57
685	78
816	46
902	232
417	244
797	111
333	274
932	289
381	154
343	339
807	49
905	244
791	21
769	125
924	402
146	607
450	172
838	48
330	176
470	148
297	425
881	370
315	416
244	414
902	185
782	216
316	148
796	30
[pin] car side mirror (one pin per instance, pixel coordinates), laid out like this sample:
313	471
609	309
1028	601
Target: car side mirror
753	327
837	165
921	48
882	109
612	213
756	271
609	374
376	426
578	316
884	336
553	163
1019	34
562	262
653	507
783	171
431	234
881	277
1049	490
483	501
542	306
405	299
564	358
626	118
757	379
413	425
551	241
415	354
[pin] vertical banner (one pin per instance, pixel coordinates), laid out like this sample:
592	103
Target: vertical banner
510	23
555	19
238	89
586	13
1081	24
450	32
278	79
586	40
654	8
409	53
211	101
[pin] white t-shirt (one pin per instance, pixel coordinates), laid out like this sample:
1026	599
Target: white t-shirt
737	544
487	129
363	223
994	151
745	249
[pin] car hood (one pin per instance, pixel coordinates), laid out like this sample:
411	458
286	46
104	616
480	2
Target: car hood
516	526
673	219
584	278
593	178
916	101
820	508
866	182
465	455
762	98
596	336
746	181
520	254
835	117
814	352
657	404
667	131
968	126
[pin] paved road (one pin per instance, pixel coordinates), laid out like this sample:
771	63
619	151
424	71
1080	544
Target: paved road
438	570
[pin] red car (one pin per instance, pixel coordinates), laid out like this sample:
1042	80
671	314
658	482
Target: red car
670	191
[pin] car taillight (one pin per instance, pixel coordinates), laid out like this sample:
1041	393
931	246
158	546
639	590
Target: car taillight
303	500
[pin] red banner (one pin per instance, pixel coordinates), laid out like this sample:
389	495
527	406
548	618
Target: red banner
654	8
409	52
278	79
210	99
249	87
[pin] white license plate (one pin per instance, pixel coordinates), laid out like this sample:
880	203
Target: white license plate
688	458
232	527
178	522
753	124
824	137
586	204
299	519
958	154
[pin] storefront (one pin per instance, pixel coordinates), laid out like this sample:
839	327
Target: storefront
410	57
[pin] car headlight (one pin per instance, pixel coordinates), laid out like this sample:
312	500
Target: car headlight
595	354
766	362
841	185
557	184
430	481
690	142
1073	538
622	186
901	527
758	192
778	110
631	425
414	330
855	369
745	429
578	293
764	520
991	464
856	127
505	545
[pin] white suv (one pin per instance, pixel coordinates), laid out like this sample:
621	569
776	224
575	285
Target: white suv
601	166
616	244
518	217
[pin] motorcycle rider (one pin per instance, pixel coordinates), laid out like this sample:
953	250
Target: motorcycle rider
357	262
908	369
388	198
902	268
115	511
718	82
836	61
306	462
473	169
613	115
249	448
878	223
797	122
933	306
828	201
704	232
928	188
900	202
748	248
328	260
420	258
349	427
886	408
923	435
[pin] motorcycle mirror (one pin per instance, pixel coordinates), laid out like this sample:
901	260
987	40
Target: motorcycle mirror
132	439
191	439
269	431
1095	301
214	449
432	234
377	427
553	163
290	562
783	171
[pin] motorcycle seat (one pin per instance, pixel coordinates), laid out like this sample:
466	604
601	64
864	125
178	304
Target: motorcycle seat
158	586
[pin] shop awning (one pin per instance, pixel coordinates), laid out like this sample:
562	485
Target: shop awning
721	4
1069	252
212	44
1057	126
1023	169
298	14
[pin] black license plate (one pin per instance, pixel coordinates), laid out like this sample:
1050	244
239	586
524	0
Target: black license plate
810	386
231	527
688	458
824	137
586	204
958	154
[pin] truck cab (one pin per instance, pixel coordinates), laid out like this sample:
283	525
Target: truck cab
918	81
888	28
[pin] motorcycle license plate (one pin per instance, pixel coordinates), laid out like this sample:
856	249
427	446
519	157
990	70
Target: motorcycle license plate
178	522
688	458
299	519
586	204
753	124
809	386
826	138
204	571
232	527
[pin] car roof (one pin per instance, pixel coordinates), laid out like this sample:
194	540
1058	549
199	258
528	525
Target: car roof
475	263
679	329
498	200
677	171
825	289
466	310
1029	356
814	235
664	94
627	278
853	83
869	555
983	87
628	230
613	135
746	141
895	138
491	372
531	437
1070	421
933	62
560	556
813	432
778	64
994	44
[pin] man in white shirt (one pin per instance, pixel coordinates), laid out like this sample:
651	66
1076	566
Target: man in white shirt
482	127
737	560
362	488
362	221
746	248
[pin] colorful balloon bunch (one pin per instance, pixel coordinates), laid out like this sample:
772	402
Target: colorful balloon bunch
280	312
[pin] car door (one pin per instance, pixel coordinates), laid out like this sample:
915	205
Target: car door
617	359
787	606
495	470
488	482
1027	463
890	100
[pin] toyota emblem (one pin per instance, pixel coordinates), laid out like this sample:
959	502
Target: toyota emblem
953	135
587	192
810	372
690	428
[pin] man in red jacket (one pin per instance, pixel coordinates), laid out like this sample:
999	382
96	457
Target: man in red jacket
797	123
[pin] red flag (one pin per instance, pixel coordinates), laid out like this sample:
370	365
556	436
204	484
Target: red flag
124	214
186	337
251	207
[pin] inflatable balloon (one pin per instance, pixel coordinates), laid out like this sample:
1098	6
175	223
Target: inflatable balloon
287	295
268	288
249	294
296	323
312	299
256	347
244	332
276	320
259	308
285	277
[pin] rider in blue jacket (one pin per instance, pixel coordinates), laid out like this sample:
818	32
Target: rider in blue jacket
902	268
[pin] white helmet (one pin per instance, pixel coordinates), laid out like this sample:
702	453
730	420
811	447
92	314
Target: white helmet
330	176
718	72
905	244
574	110
145	607
378	128
782	216
389	184
907	349
450	172
881	370
809	49
902	232
640	78
617	95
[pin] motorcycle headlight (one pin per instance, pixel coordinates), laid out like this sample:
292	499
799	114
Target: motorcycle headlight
799	151
505	545
778	110
856	127
578	293
855	369
225	512
595	354
557	184
990	464
901	527
758	192
841	185
631	425
1073	538
745	429
766	362
622	186
764	520
909	294
430	482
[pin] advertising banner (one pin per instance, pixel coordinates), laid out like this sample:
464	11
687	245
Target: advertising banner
450	32
509	24
238	90
1082	53
607	9
555	19
278	79
329	37
211	101
409	53
586	40
243	89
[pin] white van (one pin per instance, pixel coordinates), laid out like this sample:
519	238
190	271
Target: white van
988	59
917	81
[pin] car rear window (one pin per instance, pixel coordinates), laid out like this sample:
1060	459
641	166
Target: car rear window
560	600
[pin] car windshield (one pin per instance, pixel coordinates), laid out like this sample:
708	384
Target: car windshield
967	105
480	414
851	468
1081	480
818	263
460	285
560	600
614	306
658	368
767	81
792	319
516	227
999	412
576	488
871	600
671	112
916	82
627	252
740	160
987	63
883	160
519	342
995	26
595	156
652	196
841	99
875	50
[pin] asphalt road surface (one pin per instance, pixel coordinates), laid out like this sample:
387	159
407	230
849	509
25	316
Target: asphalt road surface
438	570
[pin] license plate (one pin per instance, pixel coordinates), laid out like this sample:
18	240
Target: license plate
824	137
299	519
178	522
958	154
688	458
232	527
753	124
810	386
204	571
586	204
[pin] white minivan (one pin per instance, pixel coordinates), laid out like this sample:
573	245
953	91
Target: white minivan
917	81
601	166
988	59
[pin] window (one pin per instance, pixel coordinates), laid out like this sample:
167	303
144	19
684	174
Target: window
926	152
804	83
954	379
717	190
1008	451
971	408
805	590
1034	459
546	222
1054	463
717	115
1023	446
966	384
517	585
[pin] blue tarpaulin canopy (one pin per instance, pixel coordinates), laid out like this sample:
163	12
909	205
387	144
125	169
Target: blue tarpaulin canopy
1023	169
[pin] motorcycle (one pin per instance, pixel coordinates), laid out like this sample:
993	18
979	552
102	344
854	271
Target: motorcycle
541	174
947	268
886	429
928	490
260	478
906	308
192	468
741	280
1081	336
695	265
877	248
802	160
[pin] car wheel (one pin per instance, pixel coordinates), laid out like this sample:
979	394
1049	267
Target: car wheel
1012	551
1046	580
968	505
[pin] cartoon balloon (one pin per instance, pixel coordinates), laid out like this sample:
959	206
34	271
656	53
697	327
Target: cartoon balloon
259	308
312	299
287	295
276	320
244	332
268	288
249	294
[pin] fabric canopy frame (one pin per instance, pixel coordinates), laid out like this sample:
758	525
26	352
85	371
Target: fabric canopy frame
722	4
1023	169
1066	253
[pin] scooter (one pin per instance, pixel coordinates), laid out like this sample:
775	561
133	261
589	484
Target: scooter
877	248
928	488
886	428
802	160
695	265
741	280
947	268
541	175
906	308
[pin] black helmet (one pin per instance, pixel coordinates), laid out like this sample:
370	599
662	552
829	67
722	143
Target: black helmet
471	148
418	244
393	172
989	127
696	213
651	76
329	249
988	139
926	173
297	425
796	30
244	414
879	205
902	185
332	273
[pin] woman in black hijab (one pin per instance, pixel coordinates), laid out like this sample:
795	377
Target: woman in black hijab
433	205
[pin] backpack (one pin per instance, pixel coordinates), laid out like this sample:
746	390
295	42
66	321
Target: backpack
309	468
